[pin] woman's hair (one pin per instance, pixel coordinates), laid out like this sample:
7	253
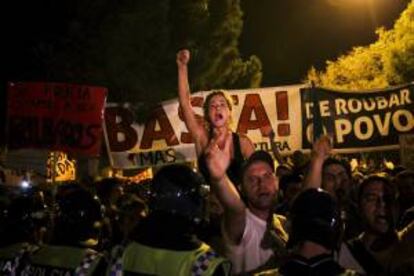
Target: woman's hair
211	95
208	99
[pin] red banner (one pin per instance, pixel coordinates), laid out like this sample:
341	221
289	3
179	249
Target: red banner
55	116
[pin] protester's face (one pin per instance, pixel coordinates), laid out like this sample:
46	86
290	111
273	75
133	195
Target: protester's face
336	181
260	185
377	207
218	111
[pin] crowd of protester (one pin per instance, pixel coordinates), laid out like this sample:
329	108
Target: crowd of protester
236	214
313	217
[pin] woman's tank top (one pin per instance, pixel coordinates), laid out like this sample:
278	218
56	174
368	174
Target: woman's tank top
234	169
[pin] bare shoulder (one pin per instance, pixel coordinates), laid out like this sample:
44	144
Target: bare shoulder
247	146
201	141
243	136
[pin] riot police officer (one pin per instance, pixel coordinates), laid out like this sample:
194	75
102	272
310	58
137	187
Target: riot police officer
76	230
315	233
165	243
19	225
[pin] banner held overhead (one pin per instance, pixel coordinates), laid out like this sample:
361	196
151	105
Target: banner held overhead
357	121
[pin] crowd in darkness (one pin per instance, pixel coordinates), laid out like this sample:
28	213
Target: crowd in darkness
236	213
361	218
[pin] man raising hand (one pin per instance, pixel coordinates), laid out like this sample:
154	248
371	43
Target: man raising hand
246	221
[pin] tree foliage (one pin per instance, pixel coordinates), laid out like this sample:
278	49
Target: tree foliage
388	61
129	46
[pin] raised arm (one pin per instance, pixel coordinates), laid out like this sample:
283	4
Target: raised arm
321	151
197	131
218	161
274	148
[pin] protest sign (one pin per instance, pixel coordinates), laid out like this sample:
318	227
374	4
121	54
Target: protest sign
55	116
357	121
165	139
361	121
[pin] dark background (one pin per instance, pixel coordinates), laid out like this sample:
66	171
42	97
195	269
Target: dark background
289	36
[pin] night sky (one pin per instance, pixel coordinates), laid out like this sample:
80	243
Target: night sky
289	36
292	35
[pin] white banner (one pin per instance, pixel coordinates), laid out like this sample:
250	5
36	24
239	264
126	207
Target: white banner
357	121
164	138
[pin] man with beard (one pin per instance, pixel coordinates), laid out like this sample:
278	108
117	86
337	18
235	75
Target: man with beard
336	178
380	249
251	231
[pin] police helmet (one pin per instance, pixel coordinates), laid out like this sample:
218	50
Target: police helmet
78	217
24	214
18	221
178	190
315	217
